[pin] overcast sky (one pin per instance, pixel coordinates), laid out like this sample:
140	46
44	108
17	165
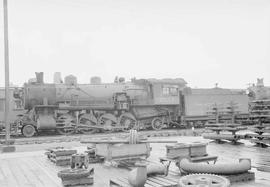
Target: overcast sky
203	41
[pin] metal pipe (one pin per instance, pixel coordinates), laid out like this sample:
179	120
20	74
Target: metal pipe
221	136
6	70
225	168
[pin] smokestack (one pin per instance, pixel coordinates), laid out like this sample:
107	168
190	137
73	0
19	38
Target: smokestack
71	80
39	77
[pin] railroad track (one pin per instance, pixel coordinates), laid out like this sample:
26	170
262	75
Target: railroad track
78	137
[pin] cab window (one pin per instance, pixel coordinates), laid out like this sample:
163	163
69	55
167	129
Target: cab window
174	91
170	90
166	91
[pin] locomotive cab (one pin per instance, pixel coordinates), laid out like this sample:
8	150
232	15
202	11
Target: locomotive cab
162	105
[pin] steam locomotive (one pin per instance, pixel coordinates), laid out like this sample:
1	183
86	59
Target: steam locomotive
70	107
89	108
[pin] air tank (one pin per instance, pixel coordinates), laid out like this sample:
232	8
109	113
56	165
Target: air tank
71	80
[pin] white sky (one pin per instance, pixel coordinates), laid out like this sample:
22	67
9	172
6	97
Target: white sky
202	41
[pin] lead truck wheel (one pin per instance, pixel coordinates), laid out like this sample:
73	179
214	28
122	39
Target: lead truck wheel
28	130
157	123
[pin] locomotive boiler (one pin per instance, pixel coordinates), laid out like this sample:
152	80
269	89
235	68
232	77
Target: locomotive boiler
71	107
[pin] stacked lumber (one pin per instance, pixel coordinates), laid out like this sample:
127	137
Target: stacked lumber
60	156
220	127
92	156
260	112
75	177
224	113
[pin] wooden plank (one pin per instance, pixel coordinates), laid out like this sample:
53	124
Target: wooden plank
168	179
48	169
263	168
164	179
158	181
15	166
102	175
81	181
171	178
149	182
3	179
2	175
119	183
147	185
29	172
9	177
61	162
125	181
46	179
204	159
37	173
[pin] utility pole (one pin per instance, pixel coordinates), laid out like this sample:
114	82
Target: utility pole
6	71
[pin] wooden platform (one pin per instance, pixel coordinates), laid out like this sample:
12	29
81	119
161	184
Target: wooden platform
33	168
243	177
157	181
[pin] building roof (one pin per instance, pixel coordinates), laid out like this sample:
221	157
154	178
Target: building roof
213	91
178	81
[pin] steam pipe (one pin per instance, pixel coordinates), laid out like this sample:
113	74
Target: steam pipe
242	166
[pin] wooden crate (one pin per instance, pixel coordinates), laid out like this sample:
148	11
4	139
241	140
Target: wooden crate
186	150
60	156
61	160
123	151
198	149
177	150
61	151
